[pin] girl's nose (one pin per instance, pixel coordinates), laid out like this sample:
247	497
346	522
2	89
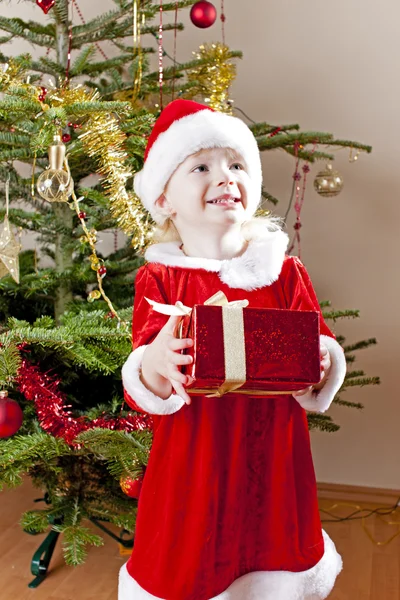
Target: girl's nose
225	178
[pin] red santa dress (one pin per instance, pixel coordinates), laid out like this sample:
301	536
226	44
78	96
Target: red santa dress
228	508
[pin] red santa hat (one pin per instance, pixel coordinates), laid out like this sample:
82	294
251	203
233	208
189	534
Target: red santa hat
183	128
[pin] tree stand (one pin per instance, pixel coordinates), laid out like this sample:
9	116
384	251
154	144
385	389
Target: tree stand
42	557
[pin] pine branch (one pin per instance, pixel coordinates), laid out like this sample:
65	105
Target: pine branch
361	381
360	345
29	30
340	314
267	196
284	140
352	374
341	402
321	422
10	361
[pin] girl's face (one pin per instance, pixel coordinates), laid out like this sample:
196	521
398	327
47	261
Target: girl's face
210	188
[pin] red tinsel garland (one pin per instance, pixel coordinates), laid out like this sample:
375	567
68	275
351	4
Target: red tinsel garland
54	416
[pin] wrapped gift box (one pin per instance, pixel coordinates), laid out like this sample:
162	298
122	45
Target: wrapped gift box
256	351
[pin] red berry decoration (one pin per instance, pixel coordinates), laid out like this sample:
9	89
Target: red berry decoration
131	487
66	138
44	91
45	5
11	416
102	271
82	215
41	98
70	124
76	126
203	14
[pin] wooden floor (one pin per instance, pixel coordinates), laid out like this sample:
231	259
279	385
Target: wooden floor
370	572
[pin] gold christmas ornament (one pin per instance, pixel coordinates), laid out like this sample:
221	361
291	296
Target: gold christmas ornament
9	247
328	182
55	184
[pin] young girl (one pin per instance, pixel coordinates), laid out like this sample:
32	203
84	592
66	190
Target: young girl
228	508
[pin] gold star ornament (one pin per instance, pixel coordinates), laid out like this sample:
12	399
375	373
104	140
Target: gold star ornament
9	250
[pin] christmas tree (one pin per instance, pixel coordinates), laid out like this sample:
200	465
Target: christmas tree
65	327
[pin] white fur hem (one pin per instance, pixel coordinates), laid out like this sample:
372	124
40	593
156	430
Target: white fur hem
186	136
143	397
319	401
314	584
259	265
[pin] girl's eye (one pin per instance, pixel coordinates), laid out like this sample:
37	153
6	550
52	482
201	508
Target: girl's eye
237	167
200	169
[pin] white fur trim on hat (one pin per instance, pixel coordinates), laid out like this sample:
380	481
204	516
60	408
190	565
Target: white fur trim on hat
320	401
314	584
201	130
143	397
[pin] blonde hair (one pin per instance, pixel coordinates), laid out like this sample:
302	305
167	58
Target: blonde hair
252	229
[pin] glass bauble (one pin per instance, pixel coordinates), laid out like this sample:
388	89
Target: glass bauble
328	182
55	185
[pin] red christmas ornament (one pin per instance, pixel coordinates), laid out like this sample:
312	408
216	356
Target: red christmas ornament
44	91
66	138
76	126
41	98
70	124
45	5
11	416
131	487
102	271
203	14
82	215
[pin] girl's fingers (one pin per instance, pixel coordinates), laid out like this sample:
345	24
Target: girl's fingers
302	392
178	344
175	374
172	323
180	359
179	389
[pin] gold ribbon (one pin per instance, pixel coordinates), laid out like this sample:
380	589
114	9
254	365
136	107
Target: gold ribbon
233	333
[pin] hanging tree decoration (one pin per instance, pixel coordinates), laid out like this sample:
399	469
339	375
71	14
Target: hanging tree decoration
45	5
328	182
160	55
9	247
138	23
55	417
203	14
55	184
11	415
131	486
215	77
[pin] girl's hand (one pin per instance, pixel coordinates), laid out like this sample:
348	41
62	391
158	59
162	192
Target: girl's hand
164	358
325	368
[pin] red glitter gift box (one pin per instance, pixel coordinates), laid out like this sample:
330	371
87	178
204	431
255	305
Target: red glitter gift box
257	351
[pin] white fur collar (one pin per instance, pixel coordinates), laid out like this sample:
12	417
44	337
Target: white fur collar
258	266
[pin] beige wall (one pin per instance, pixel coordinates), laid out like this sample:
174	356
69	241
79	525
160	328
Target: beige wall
330	67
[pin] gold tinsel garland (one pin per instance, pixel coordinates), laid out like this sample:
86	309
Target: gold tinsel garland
104	141
215	77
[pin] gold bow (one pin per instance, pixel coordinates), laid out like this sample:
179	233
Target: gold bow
233	332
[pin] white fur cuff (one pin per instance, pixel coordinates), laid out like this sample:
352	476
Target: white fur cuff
319	401
143	397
